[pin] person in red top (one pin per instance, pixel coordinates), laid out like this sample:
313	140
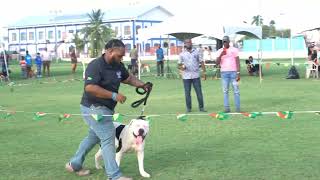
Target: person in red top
23	66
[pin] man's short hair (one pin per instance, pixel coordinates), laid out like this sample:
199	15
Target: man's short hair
189	41
225	39
114	43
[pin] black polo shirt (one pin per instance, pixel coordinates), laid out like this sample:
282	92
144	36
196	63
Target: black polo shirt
107	76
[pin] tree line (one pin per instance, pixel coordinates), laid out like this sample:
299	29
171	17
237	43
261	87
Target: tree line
270	31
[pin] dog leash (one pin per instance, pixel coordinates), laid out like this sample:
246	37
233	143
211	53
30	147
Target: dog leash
144	100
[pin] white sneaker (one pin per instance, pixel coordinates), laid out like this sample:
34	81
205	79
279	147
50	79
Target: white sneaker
82	172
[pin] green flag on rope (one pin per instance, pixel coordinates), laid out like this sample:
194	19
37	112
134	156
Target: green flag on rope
7	115
252	114
63	117
220	115
258	113
117	117
182	117
148	118
285	114
38	115
97	117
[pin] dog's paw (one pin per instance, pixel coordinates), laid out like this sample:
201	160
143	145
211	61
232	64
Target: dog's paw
146	175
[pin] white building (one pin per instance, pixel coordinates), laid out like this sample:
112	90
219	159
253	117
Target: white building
56	32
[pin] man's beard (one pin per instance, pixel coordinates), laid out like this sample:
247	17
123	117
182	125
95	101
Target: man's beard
114	61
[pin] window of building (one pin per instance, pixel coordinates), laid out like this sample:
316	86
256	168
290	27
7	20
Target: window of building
137	28
50	34
41	35
116	31
172	44
31	36
127	30
23	36
145	26
14	36
59	34
148	47
70	31
156	45
41	49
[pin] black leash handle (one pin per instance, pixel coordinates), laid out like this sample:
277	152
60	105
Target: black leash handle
142	91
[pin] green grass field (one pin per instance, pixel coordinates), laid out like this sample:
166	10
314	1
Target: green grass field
201	148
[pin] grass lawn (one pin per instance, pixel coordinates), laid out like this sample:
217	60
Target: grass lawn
201	148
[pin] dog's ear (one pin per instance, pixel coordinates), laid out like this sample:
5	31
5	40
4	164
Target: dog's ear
142	117
130	122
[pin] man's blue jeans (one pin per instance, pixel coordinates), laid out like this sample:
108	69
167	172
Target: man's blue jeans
38	70
187	90
228	77
99	131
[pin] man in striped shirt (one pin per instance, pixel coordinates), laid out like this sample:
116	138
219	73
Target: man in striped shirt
188	62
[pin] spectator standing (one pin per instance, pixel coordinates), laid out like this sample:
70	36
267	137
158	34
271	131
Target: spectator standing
134	59
228	59
23	66
74	60
38	62
46	61
28	60
188	62
160	59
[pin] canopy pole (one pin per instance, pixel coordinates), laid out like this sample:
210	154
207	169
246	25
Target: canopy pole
291	49
139	61
260	60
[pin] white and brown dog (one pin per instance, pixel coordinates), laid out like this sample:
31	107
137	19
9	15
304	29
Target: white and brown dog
145	67
129	138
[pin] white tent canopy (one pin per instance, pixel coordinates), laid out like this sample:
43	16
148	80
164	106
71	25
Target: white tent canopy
183	28
188	28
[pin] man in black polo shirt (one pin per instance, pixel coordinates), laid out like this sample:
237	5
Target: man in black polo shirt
102	80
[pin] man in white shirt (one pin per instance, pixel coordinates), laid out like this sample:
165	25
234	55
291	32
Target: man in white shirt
46	62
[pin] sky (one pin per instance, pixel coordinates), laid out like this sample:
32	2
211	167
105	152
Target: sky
286	13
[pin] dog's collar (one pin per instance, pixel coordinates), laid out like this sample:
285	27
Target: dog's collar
138	135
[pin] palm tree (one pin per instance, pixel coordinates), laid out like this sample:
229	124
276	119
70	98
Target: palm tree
272	23
79	42
257	20
272	29
97	32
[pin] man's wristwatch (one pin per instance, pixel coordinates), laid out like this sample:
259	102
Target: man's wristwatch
238	72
